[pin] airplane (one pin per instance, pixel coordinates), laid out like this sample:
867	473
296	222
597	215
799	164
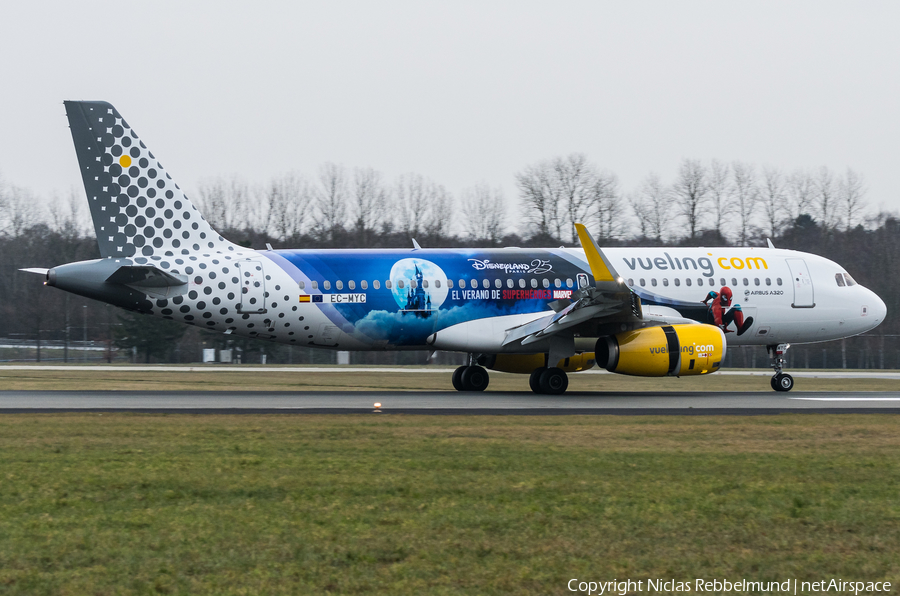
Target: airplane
545	313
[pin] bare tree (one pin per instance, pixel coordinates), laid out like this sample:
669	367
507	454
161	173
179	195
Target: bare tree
652	207
689	193
800	191
425	208
559	192
68	217
772	199
484	213
370	202
719	191
21	209
609	210
288	197
825	199
225	203
331	202
411	196
539	198
439	221
851	193
745	194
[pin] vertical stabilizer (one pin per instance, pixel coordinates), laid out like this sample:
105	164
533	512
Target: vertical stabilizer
136	206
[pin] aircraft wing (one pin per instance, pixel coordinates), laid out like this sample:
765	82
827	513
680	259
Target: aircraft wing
609	300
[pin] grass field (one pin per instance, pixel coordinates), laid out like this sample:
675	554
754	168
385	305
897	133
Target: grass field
376	504
348	379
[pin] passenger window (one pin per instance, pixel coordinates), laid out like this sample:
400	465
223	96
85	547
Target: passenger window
677	282
756	281
462	283
486	283
643	283
533	282
449	283
687	282
653	282
315	285
413	284
498	284
424	283
387	284
474	283
722	282
569	282
326	284
364	285
666	281
545	282
302	285
746	282
733	281
376	284
700	281
400	284
509	283
712	282
521	282
630	282
778	281
351	285
768	281
850	280
557	282
437	283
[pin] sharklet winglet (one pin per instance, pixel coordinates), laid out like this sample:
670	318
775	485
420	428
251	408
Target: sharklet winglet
601	268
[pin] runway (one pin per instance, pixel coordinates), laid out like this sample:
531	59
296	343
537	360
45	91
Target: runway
448	403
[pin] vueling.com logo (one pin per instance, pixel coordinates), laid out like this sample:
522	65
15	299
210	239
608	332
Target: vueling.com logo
701	350
702	264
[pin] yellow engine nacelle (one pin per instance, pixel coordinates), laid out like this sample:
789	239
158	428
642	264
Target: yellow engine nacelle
674	350
526	363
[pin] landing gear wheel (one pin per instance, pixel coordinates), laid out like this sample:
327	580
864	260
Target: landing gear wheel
534	381
474	378
554	381
782	382
457	378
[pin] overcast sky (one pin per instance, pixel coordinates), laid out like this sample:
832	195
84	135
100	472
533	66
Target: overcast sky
461	92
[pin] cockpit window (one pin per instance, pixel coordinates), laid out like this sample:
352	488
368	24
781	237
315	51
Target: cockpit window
839	278
850	280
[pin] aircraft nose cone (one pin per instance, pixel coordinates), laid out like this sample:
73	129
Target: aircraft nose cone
879	309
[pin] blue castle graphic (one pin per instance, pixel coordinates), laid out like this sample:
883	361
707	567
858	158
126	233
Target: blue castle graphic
417	299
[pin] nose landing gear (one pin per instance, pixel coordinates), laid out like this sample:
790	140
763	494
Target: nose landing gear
781	381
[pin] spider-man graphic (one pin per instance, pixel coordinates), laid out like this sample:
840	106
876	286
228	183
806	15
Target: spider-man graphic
721	315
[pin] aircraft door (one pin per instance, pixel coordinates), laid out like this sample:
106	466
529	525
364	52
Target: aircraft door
802	282
253	287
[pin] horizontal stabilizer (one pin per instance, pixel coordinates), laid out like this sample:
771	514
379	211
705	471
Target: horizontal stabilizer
145	276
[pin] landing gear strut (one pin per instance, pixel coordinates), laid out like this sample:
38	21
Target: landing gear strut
781	381
470	378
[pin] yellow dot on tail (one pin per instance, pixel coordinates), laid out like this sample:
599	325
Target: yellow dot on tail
125	161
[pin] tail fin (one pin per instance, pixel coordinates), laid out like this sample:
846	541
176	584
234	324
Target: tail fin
136	206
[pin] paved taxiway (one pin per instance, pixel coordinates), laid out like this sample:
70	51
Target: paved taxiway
440	402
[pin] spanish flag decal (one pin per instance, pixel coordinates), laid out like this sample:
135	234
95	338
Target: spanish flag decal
305	298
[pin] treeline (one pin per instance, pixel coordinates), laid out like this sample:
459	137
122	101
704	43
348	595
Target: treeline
715	203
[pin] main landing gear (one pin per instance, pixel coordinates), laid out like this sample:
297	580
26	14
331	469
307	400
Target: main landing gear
470	378
552	381
781	381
